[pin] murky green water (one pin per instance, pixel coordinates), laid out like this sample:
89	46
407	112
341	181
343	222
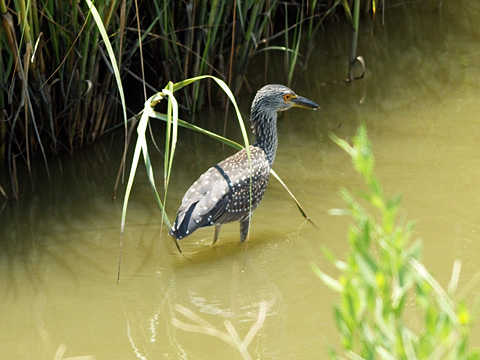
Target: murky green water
59	247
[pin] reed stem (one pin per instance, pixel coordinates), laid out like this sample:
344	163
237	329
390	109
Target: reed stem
354	39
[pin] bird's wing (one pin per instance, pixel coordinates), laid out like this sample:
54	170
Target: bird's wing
200	199
243	197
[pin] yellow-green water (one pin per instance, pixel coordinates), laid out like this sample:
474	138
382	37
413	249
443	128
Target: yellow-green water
59	246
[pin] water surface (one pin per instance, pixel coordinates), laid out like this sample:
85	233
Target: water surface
419	100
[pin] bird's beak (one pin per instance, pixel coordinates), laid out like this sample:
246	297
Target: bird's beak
302	102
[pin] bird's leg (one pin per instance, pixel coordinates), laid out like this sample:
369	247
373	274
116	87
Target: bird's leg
217	232
244	227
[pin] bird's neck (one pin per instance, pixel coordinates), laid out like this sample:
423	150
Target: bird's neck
264	125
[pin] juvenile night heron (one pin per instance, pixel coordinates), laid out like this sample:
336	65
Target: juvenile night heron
223	193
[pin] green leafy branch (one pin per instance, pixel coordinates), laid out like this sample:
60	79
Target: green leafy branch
382	277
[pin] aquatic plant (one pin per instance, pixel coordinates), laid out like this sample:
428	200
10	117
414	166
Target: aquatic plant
56	91
383	286
59	83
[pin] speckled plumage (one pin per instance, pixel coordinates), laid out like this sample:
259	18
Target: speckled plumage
222	194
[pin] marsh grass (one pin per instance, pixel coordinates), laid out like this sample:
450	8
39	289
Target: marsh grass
62	62
383	282
57	93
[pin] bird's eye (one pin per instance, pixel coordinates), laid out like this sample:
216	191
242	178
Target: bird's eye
287	97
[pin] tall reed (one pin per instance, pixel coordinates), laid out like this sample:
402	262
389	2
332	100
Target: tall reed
57	93
58	89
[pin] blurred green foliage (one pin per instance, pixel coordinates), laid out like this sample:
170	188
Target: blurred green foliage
390	306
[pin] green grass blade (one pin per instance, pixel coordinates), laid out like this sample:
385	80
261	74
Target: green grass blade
142	125
168	141
172	110
278	48
131	177
141	147
111	55
151	179
300	208
348	13
294	55
230	95
199	129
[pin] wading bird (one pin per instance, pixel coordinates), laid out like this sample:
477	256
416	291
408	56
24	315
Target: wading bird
232	189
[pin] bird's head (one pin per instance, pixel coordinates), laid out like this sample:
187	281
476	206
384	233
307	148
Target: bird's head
273	98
